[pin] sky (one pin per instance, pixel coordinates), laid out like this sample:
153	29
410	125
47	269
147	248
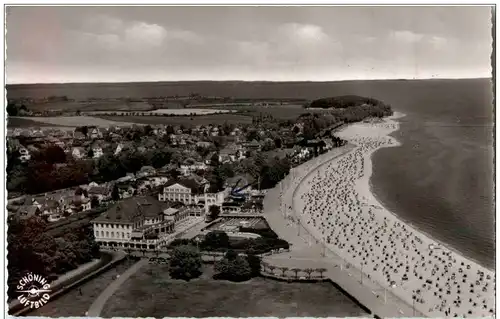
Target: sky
127	44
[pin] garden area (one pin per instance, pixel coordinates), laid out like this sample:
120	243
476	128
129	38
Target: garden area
219	241
151	292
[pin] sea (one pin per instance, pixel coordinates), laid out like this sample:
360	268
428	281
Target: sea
441	179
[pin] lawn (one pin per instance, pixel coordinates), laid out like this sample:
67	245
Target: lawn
74	304
151	293
183	120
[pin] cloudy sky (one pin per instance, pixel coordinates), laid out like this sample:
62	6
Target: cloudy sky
105	44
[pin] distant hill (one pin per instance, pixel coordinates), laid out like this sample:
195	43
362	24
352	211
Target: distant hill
344	101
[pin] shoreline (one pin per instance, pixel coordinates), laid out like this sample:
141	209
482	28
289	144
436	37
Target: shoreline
382	204
362	186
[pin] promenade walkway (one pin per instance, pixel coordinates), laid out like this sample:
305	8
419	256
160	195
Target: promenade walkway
307	252
97	306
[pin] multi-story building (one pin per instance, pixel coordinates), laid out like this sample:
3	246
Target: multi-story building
186	191
135	222
190	192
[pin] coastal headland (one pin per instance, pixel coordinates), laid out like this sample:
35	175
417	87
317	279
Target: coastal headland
334	203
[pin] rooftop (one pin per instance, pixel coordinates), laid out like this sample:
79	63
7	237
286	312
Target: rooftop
132	209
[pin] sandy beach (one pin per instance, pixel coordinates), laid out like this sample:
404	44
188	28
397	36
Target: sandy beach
336	205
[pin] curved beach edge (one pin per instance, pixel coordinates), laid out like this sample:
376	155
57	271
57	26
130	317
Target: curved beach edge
362	187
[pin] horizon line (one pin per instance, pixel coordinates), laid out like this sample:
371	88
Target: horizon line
253	81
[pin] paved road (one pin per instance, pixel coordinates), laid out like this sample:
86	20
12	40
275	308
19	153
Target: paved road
306	251
97	306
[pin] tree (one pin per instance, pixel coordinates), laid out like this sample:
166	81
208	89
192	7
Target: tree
115	195
185	262
269	145
132	161
254	262
52	154
309	271
180	242
321	271
84	130
296	271
214	212
278	142
29	244
216	239
233	267
12	109
109	168
271	268
283	271
94	202
252	135
161	158
148	130
173	173
214	159
231	255
169	130
80	191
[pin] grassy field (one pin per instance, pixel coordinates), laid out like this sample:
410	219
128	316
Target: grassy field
73	106
65	121
180	111
183	120
150	293
74	304
18	122
283	112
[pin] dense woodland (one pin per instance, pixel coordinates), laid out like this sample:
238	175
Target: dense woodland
345	101
31	249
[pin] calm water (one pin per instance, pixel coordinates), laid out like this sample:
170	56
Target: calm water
440	179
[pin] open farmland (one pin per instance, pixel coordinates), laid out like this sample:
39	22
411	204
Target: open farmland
183	111
20	122
68	121
183	120
105	105
282	112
